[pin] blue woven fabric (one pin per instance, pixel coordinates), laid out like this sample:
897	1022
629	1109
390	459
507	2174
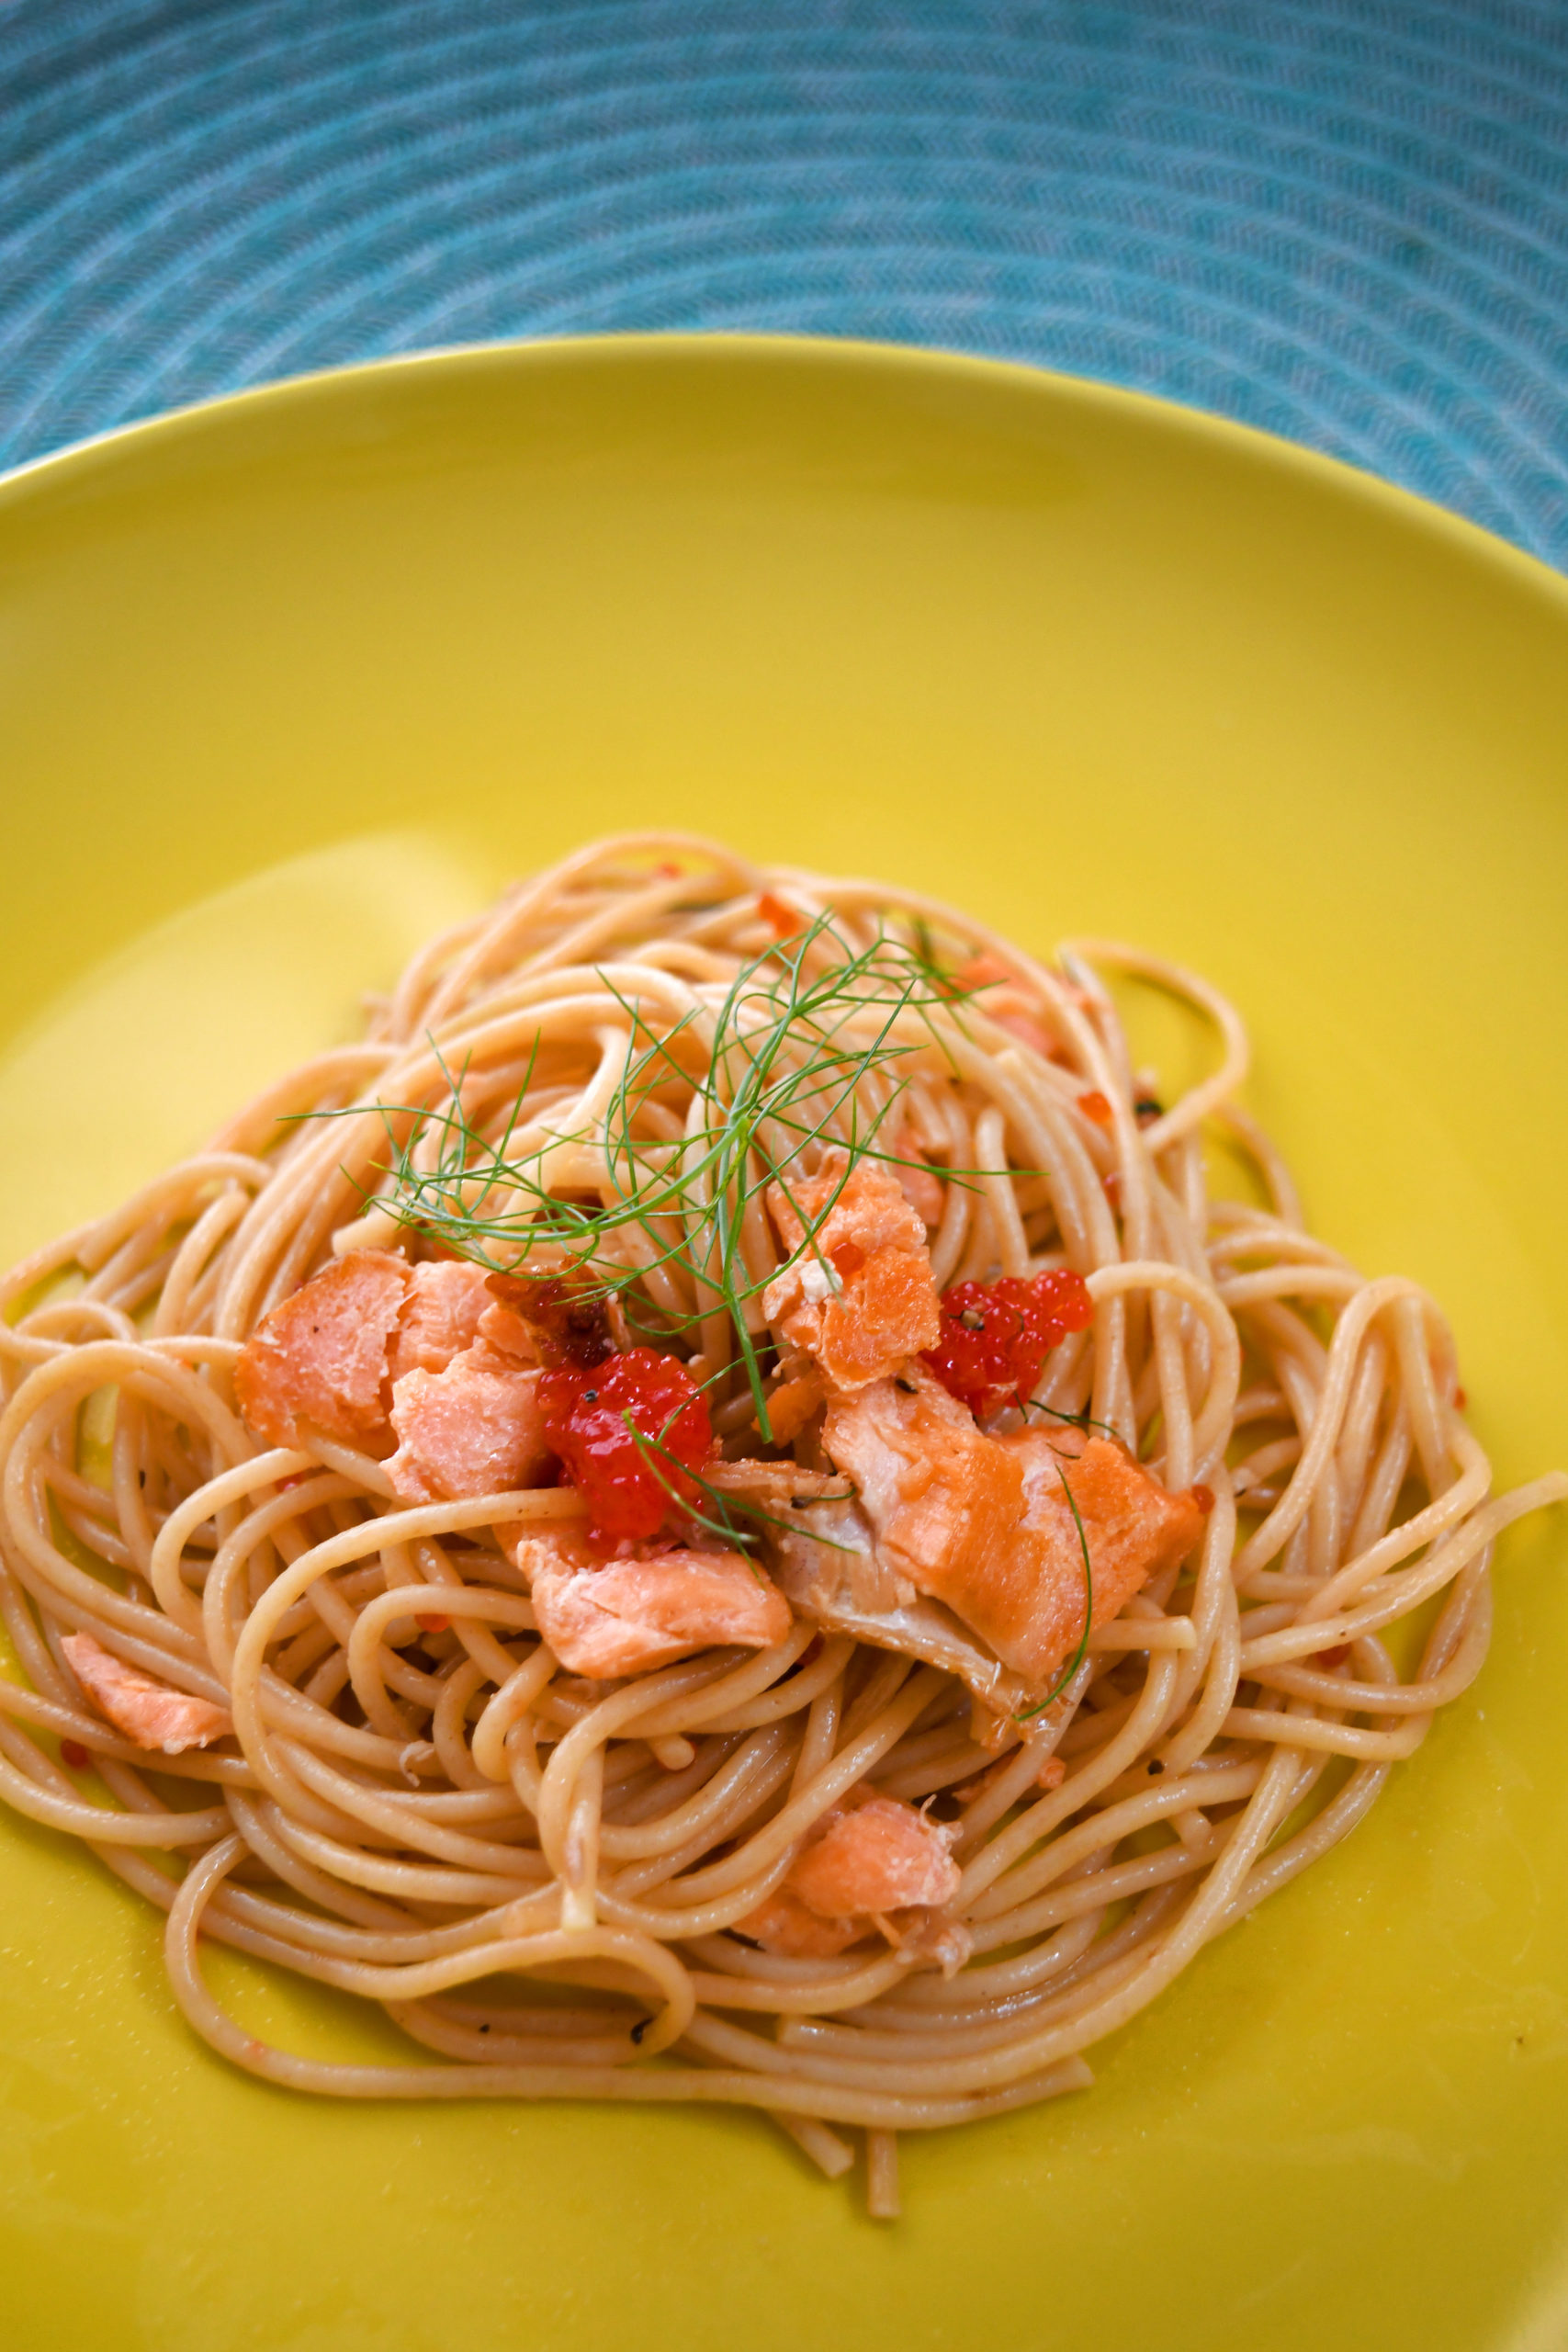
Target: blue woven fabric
1345	221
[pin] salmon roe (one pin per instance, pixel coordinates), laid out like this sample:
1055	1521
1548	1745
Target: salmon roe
628	1486
997	1336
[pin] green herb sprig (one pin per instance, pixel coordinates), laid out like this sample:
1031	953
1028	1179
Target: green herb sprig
1027	1715
783	1071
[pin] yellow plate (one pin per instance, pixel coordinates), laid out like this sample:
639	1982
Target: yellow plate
1078	660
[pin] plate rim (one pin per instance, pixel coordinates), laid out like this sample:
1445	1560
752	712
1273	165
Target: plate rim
1530	572
1451	536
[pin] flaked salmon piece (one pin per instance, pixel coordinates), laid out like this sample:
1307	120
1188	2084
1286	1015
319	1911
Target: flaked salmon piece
782	1489
826	1562
829	1567
1027	1026
983	971
924	1191
445	1304
944	1504
629	1616
810	1514
812	1576
872	1863
1001	997
983	1525
1134	1529
792	1404
474	1429
930	1936
882	1856
858	1296
320	1357
505	1332
783	1926
326	1357
151	1713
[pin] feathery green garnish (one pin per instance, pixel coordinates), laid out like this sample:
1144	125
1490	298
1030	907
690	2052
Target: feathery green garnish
778	1066
721	1505
1026	1714
1084	1420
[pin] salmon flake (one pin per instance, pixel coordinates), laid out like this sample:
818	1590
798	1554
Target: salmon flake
629	1487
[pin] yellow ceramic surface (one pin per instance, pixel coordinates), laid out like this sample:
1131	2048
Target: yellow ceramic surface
1078	662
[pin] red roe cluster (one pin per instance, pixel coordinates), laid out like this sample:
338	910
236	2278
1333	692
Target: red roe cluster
627	1486
997	1336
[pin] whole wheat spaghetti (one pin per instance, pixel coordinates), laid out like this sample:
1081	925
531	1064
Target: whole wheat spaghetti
716	1512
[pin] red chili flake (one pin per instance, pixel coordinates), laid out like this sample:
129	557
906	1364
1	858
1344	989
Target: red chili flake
627	1486
784	922
433	1625
72	1753
847	1259
1094	1105
667	870
1460	1400
1111	1187
567	1321
1335	1657
997	1336
1204	1498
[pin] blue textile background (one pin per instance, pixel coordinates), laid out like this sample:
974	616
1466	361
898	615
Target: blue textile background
1345	221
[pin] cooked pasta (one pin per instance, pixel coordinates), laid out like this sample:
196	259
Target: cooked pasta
717	1511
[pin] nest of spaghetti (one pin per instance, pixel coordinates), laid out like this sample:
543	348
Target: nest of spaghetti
717	1511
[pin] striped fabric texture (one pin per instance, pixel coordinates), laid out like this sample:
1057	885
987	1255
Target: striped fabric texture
1344	221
